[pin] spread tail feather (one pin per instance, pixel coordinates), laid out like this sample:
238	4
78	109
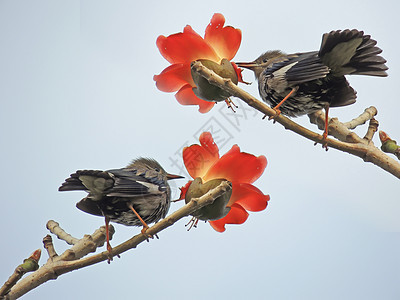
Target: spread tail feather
351	52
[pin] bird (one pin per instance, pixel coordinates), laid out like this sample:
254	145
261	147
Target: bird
302	83
135	195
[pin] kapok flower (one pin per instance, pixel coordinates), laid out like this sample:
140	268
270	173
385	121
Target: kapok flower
240	168
218	46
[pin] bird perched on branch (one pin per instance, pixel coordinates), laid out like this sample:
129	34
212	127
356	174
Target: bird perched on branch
134	196
302	83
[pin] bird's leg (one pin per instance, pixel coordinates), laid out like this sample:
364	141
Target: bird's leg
325	134
109	248
276	108
145	226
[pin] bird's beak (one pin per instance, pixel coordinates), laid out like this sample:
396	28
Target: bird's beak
172	176
247	65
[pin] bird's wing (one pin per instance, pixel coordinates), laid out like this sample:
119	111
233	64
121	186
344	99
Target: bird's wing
89	206
84	179
94	182
298	68
127	183
352	52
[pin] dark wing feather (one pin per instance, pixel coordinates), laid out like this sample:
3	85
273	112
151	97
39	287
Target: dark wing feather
332	39
89	206
299	68
117	183
129	184
342	93
352	52
73	183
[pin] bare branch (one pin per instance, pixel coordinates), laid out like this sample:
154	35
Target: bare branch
48	245
336	128
367	115
55	229
348	142
372	128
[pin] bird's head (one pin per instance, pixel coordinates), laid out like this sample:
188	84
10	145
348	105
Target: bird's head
153	166
262	62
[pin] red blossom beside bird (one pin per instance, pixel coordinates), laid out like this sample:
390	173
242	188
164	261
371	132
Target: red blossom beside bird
220	43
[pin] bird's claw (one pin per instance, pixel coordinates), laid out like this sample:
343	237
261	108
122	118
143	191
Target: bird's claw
277	113
147	235
324	142
110	255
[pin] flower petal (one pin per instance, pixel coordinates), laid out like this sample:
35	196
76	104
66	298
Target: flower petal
174	77
248	196
224	40
184	189
207	142
237	215
186	96
198	159
184	47
250	166
238	73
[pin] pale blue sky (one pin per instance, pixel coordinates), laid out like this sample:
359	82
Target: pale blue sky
77	92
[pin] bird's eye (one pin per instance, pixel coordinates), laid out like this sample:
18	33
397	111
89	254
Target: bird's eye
157	169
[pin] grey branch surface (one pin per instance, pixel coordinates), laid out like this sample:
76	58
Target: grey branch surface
73	258
347	141
55	229
367	115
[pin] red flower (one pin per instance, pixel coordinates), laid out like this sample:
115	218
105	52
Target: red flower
182	48
240	168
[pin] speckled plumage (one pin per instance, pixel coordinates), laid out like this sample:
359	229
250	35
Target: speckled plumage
142	184
317	77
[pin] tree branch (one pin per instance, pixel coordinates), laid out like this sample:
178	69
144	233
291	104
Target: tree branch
372	128
367	115
71	259
55	229
347	141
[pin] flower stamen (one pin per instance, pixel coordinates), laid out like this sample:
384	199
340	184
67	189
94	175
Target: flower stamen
231	104
193	223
